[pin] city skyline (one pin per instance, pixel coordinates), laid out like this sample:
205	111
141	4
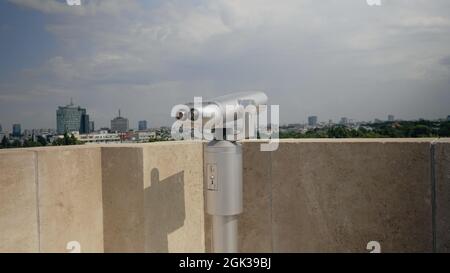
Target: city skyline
308	120
318	121
147	56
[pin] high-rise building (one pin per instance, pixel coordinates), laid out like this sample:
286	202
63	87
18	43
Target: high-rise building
119	124
17	131
91	126
72	118
1	129
84	126
312	120
448	117
142	125
391	118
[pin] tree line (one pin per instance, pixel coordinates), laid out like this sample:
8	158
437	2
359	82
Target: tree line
40	141
398	129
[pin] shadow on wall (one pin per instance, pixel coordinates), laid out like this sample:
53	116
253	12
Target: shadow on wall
164	210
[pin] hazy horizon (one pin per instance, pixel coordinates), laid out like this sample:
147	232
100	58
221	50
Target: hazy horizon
328	58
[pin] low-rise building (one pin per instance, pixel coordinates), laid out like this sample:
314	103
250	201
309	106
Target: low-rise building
100	137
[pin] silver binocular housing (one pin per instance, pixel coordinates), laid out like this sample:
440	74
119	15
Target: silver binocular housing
224	107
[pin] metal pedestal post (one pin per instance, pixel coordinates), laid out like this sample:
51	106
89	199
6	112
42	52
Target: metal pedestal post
225	234
223	173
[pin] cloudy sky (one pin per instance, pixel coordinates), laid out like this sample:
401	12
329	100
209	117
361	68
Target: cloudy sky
330	58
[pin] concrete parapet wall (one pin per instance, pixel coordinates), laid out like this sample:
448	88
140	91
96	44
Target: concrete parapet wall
337	196
70	199
123	199
308	196
441	176
153	198
18	205
49	198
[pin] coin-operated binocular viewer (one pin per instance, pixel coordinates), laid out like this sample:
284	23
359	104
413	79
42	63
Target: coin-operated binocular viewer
223	159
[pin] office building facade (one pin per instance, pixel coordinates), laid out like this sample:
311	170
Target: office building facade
119	124
84	126
72	118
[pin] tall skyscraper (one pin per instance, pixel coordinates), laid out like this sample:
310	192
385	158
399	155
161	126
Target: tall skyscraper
84	127
1	129
448	117
312	120
391	118
142	125
17	131
119	124
72	118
